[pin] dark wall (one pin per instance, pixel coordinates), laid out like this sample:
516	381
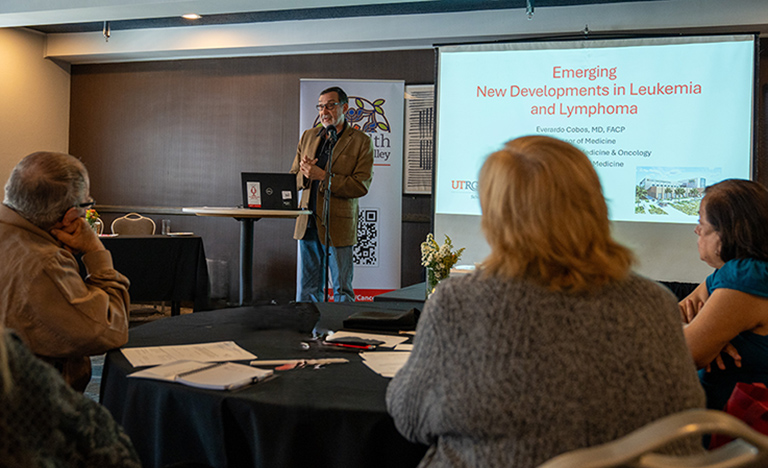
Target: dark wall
178	133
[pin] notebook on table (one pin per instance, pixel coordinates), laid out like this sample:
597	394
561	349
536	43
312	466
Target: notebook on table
208	375
269	190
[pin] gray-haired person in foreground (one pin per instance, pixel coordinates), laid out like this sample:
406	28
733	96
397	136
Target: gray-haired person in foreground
61	317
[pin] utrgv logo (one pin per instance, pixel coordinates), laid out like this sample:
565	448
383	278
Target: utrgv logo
464	185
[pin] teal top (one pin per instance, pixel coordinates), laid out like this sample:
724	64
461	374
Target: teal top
749	276
743	274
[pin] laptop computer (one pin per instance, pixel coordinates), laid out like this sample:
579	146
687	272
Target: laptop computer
269	191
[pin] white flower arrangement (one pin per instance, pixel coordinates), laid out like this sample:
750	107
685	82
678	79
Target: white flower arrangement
439	259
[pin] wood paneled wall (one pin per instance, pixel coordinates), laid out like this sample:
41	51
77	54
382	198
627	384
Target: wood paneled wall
178	133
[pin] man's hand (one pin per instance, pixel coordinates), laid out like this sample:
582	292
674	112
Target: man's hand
78	237
308	168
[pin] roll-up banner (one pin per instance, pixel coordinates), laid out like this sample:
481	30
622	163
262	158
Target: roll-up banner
376	108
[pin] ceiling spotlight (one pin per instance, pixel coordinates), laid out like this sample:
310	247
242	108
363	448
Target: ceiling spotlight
191	16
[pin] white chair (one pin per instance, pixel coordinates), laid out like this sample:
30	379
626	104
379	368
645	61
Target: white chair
750	449
138	225
133	224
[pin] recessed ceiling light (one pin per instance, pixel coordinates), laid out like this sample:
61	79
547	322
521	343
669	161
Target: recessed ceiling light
191	16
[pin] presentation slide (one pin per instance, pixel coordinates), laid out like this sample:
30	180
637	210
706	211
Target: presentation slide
660	119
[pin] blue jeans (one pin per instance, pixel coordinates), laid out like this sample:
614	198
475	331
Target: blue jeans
310	287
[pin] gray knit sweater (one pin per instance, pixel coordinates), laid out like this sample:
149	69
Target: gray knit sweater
505	373
44	423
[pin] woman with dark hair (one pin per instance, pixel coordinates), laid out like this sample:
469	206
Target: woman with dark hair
729	311
553	344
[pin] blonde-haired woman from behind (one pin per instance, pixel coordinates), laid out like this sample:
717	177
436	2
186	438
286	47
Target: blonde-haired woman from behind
553	344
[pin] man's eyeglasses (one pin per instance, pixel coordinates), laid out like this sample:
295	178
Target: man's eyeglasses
330	106
86	205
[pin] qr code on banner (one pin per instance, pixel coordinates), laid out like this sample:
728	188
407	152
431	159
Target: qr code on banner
366	252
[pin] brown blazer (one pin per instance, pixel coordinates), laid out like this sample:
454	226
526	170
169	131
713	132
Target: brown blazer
352	169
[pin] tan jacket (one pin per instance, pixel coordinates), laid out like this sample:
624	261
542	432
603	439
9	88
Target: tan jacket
352	169
62	318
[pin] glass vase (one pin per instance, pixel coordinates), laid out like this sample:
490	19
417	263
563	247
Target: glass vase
98	226
433	279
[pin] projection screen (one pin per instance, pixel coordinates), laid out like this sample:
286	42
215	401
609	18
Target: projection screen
660	118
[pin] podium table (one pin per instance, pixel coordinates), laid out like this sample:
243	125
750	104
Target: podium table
246	216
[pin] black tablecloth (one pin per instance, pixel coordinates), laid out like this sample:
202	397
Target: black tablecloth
334	416
413	293
162	268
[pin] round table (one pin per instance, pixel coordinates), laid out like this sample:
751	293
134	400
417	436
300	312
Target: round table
334	416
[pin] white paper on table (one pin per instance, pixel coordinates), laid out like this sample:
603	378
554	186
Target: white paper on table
218	351
390	341
404	347
385	363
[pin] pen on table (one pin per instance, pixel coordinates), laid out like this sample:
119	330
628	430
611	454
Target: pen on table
242	383
349	345
311	362
251	380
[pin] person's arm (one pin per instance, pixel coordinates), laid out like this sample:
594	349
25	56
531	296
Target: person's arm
691	305
71	317
414	396
724	315
353	179
302	183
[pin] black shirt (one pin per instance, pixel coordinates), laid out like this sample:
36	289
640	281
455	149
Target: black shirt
323	154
